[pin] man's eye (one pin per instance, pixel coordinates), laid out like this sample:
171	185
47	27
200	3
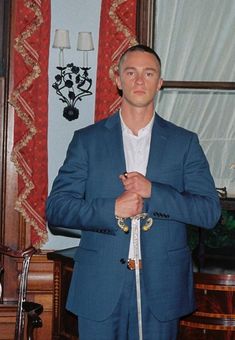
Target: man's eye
130	73
149	74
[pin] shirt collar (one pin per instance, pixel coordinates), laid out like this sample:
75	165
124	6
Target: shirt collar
145	130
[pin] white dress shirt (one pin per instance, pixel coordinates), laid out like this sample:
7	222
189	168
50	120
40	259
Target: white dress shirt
136	150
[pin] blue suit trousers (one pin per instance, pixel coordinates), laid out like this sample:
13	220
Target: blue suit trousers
123	323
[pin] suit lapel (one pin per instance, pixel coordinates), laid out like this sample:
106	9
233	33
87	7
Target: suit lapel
157	148
114	142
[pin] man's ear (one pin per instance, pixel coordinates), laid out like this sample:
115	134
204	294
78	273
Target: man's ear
118	82
160	83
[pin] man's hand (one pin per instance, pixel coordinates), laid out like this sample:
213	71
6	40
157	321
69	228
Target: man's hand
128	204
136	182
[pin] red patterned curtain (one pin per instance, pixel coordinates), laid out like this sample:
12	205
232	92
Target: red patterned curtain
30	100
117	33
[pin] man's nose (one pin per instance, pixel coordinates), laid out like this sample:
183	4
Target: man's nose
139	79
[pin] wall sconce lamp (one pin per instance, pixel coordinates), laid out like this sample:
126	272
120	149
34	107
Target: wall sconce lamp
72	83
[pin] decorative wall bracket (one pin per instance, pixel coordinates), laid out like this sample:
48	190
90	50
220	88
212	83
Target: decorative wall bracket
72	83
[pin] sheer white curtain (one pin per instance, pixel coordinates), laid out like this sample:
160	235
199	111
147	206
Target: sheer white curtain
196	41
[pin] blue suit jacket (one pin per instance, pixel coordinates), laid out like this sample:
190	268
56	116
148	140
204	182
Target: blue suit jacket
83	197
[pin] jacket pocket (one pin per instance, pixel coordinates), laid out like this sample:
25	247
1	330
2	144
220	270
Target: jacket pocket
179	256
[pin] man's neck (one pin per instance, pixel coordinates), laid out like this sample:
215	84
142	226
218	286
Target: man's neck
137	118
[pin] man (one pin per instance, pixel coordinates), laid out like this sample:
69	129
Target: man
133	163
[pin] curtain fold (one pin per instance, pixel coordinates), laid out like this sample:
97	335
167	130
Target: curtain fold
195	40
30	101
117	33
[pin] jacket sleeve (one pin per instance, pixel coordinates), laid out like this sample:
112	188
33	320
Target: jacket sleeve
67	204
198	203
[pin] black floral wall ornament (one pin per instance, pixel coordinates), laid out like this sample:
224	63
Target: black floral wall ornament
72	84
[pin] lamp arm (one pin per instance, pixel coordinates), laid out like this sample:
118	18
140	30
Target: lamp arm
58	91
79	96
83	92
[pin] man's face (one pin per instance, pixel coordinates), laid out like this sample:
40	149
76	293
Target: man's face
139	78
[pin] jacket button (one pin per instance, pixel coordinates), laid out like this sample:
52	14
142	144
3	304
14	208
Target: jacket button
123	261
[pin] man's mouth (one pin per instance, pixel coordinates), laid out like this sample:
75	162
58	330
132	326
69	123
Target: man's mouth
139	91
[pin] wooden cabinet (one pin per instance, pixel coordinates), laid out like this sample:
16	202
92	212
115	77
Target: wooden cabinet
64	323
215	292
215	315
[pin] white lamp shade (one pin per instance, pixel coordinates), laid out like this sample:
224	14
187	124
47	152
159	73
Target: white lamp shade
85	42
61	39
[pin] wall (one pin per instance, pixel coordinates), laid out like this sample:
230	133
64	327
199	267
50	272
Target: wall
74	15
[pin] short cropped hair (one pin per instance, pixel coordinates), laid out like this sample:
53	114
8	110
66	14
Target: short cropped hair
142	48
